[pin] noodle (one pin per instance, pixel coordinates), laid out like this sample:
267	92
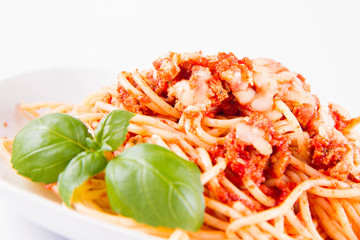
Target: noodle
274	163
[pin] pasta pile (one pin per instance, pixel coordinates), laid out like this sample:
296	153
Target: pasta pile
275	164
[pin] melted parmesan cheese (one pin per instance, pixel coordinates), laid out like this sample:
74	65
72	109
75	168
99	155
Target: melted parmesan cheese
245	96
327	126
270	79
253	136
194	91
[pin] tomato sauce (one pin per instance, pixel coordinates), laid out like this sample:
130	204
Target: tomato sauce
340	121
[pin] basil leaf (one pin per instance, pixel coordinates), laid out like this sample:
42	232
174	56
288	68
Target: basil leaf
112	129
80	168
92	144
44	147
155	186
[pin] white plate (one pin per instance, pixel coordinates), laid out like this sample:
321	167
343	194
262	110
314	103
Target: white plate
32	200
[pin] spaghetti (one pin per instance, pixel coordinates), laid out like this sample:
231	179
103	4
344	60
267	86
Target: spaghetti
275	163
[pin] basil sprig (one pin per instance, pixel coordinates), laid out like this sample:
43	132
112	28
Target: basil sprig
146	182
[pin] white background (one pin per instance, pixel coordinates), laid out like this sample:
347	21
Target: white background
319	39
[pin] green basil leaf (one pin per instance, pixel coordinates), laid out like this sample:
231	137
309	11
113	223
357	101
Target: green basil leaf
155	186
112	129
92	144
44	147
80	168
